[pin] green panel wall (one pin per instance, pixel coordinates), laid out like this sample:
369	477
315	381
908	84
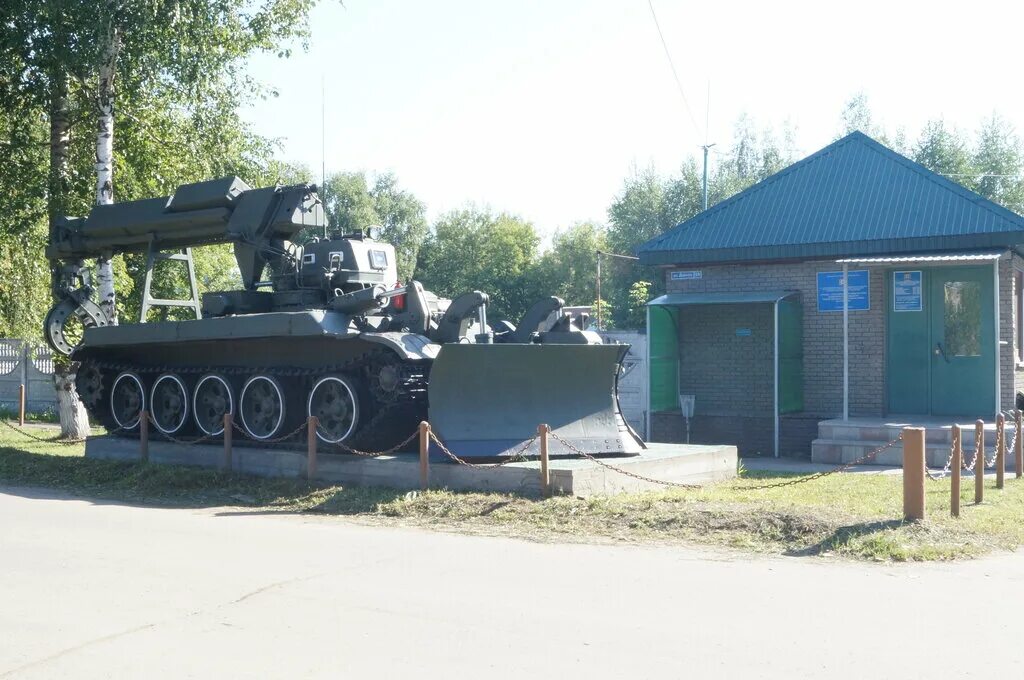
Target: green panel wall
663	335
791	357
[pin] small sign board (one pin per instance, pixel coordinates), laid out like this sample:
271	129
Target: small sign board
830	291
691	275
906	291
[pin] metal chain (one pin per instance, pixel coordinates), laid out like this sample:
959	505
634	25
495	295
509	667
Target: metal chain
515	457
183	442
374	454
842	468
274	440
979	443
591	458
44	440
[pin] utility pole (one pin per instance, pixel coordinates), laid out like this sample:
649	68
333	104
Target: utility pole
704	189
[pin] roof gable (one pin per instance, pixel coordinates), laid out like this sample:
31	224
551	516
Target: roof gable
854	197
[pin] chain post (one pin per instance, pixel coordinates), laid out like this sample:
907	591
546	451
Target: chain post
913	473
545	473
424	455
144	436
229	427
1018	444
955	467
311	438
979	461
1000	450
21	405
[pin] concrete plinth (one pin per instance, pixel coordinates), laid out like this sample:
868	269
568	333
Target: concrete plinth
577	477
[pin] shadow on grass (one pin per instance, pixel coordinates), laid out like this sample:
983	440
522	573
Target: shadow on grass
843	535
136	483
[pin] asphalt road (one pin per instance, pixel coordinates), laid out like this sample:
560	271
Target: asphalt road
91	590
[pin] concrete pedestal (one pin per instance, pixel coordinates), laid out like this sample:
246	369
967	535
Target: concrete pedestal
577	477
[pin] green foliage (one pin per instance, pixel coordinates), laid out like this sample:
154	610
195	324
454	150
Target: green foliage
352	204
473	249
179	84
639	296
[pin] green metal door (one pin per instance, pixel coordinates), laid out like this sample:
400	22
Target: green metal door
941	346
963	361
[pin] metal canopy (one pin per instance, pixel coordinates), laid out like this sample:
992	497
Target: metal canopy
719	298
772	297
982	256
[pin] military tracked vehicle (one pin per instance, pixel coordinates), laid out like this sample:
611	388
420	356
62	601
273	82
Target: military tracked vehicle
323	328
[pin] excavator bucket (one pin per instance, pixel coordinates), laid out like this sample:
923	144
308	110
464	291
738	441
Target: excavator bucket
487	400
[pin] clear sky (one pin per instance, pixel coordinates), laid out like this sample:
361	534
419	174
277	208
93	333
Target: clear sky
544	108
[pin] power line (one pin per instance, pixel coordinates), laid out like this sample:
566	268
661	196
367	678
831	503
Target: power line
675	74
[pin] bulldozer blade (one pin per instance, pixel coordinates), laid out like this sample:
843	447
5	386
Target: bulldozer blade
487	400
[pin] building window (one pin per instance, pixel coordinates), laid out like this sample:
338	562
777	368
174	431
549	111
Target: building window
1018	308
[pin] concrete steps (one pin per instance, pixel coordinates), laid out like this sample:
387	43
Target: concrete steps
842	441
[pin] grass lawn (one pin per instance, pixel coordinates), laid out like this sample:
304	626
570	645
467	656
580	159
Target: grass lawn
851	515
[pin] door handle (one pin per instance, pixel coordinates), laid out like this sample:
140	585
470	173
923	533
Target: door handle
940	350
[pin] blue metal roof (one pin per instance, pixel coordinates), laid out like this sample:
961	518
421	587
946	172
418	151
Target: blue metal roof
854	197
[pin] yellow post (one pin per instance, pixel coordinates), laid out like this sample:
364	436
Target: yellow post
228	431
311	438
1000	450
144	436
1018	447
955	465
424	455
913	473
21	405
545	475
979	461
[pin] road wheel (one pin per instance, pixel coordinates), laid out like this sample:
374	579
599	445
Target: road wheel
334	403
211	400
261	406
127	399
168	400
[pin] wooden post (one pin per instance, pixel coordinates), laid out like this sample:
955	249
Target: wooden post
545	474
424	455
311	438
144	436
955	466
1018	447
979	462
1000	450
913	473
228	432
21	405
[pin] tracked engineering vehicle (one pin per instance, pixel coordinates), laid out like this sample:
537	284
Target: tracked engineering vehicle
324	329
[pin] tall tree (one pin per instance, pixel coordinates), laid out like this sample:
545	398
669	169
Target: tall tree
60	59
473	249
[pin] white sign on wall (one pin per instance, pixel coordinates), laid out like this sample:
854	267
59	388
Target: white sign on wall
691	275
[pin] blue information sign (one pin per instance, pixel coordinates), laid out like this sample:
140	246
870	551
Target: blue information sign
830	291
906	291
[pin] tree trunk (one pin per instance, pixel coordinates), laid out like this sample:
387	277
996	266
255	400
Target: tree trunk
105	162
74	422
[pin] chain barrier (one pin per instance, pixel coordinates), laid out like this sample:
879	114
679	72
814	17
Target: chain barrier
44	440
176	440
841	468
374	454
515	457
275	440
608	466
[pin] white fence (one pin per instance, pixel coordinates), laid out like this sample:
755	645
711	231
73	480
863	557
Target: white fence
23	363
633	383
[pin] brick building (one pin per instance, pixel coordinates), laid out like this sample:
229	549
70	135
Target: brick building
753	321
